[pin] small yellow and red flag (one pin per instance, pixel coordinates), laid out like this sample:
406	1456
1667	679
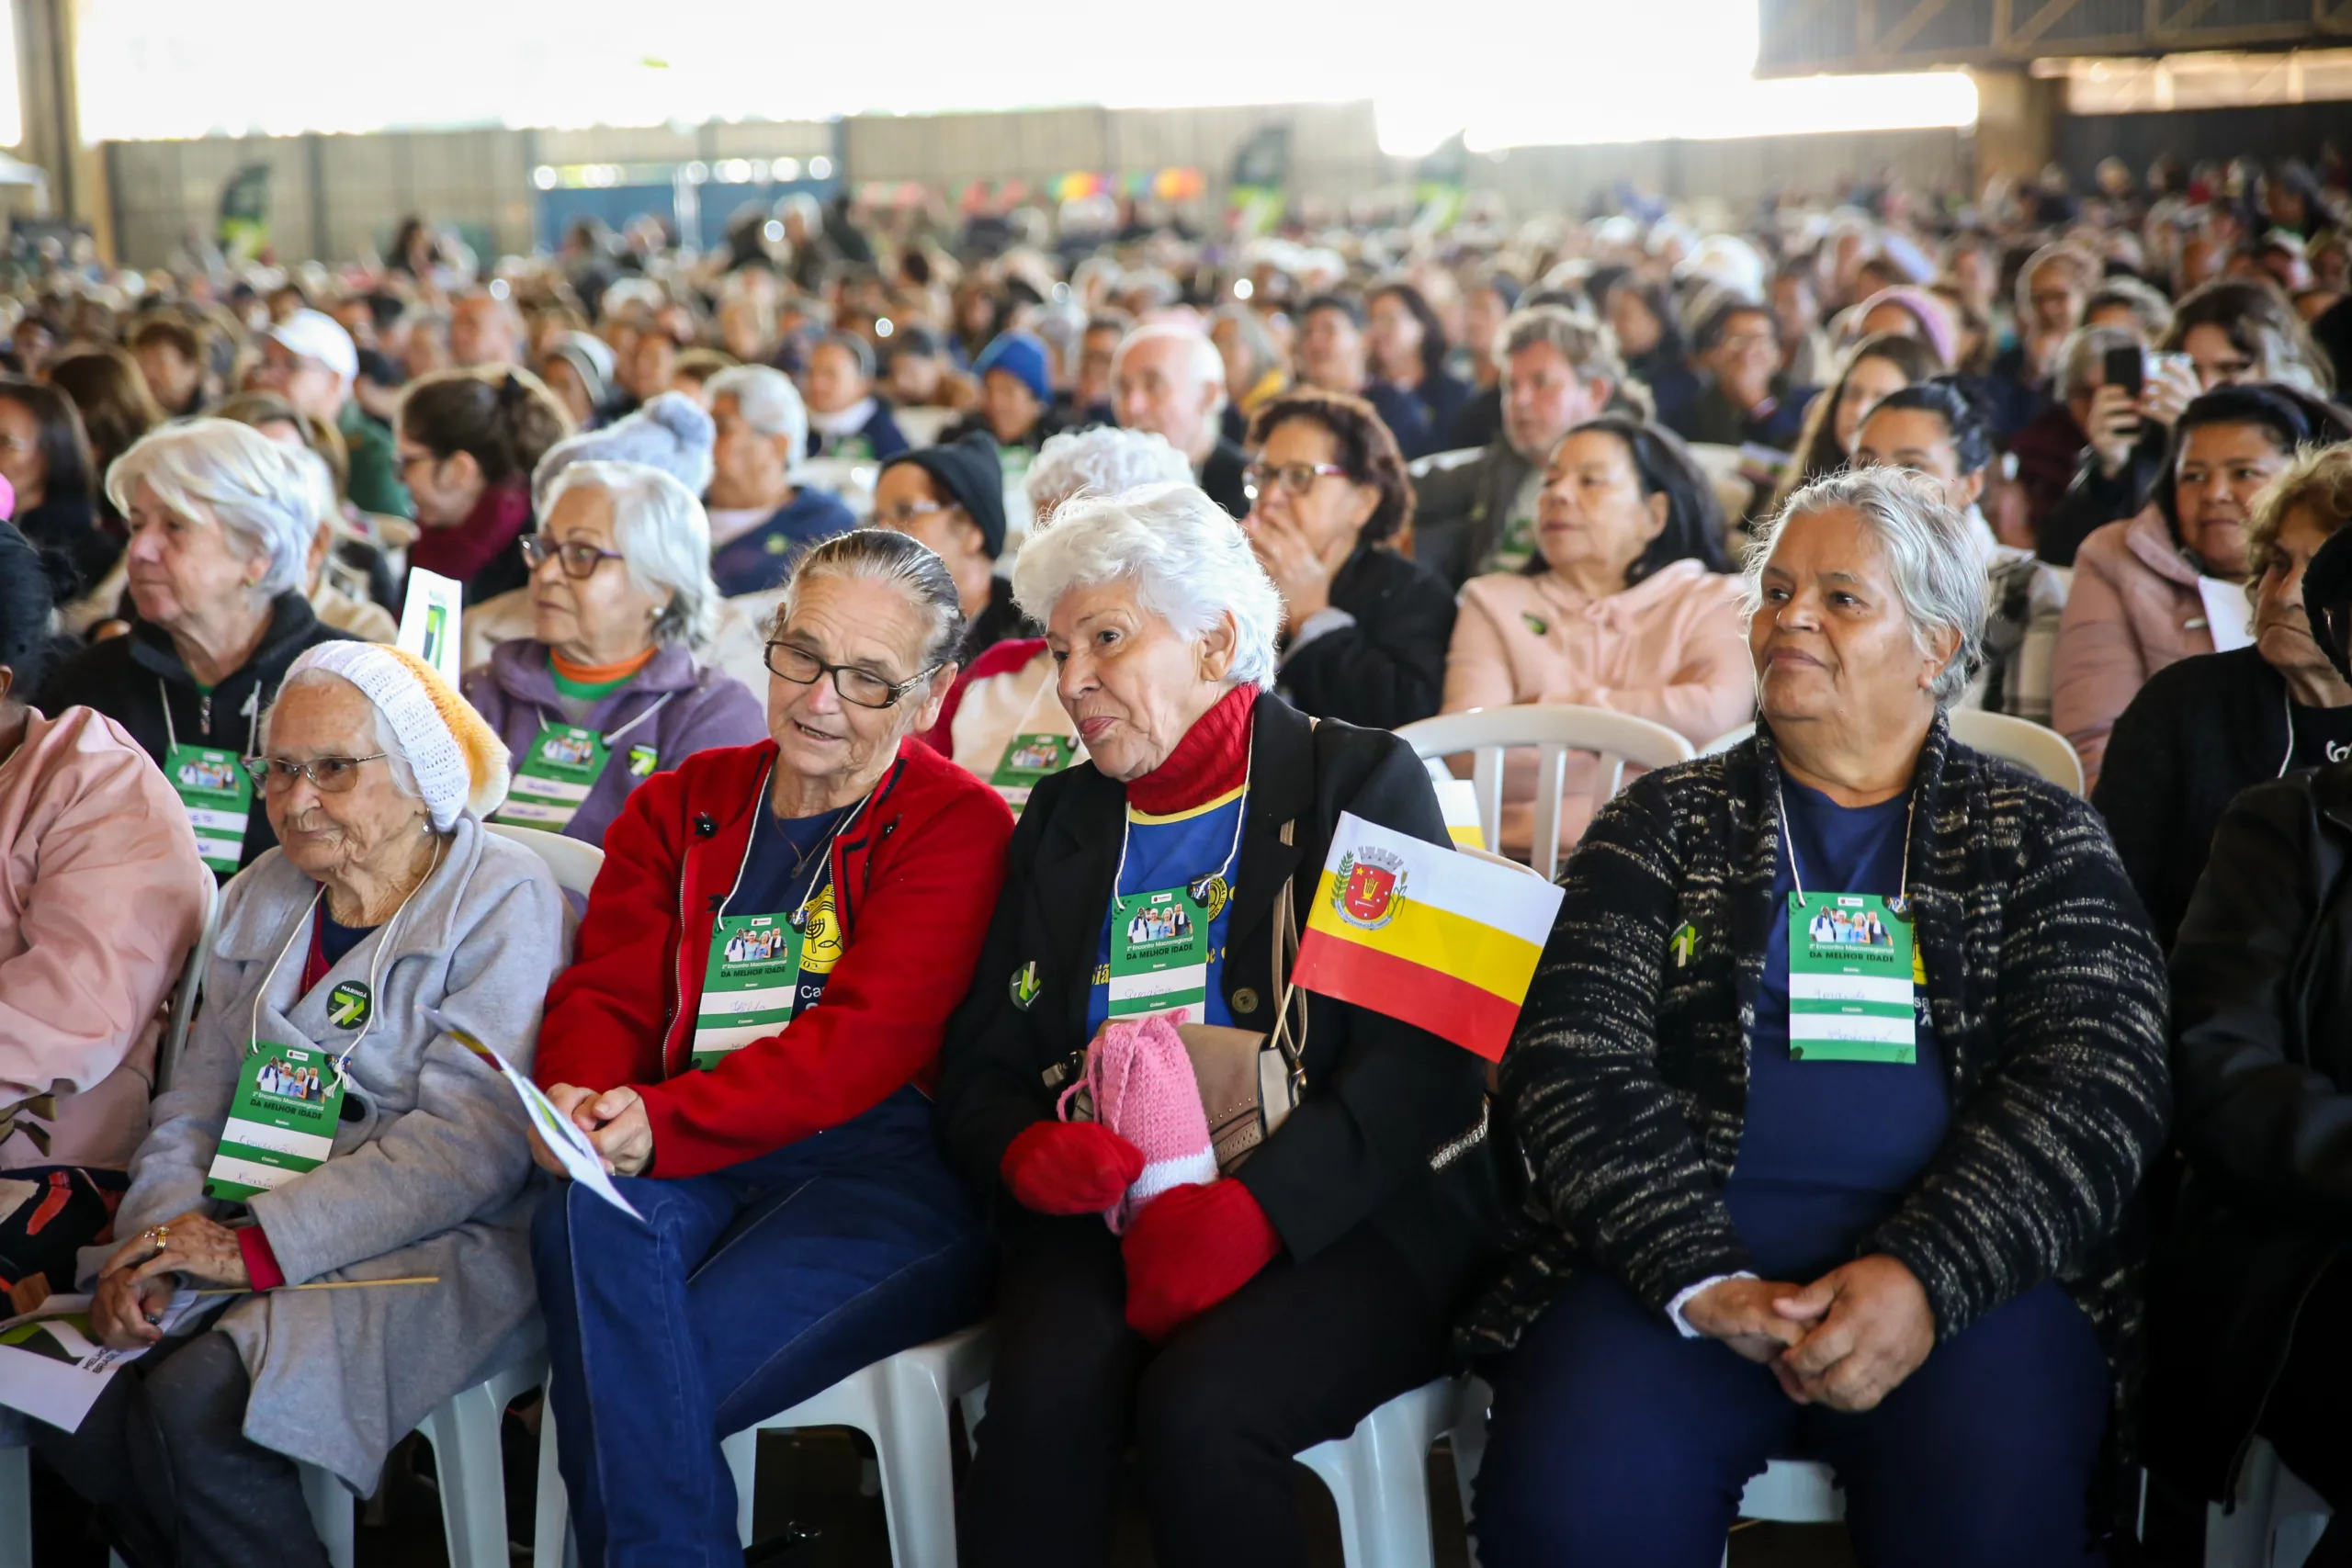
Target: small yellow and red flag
1443	940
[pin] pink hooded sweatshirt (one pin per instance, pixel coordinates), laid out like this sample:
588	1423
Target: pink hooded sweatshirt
101	897
2134	608
1671	649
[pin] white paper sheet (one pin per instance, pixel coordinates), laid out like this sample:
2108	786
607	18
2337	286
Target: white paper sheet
429	622
52	1366
2229	613
578	1157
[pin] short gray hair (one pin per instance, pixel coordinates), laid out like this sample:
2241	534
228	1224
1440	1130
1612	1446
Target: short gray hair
1188	560
663	536
2082	359
1207	363
1104	461
267	504
1589	346
1938	573
885	555
767	400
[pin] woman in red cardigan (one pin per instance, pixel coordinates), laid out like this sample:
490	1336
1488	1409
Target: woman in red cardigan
763	975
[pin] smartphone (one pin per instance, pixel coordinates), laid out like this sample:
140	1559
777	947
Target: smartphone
2124	368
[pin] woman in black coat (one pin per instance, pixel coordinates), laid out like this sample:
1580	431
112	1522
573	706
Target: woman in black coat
1237	1322
2252	1290
2206	728
1863	1190
1364	630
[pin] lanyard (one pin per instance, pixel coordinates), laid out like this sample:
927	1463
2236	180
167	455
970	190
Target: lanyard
825	851
1126	831
614	738
253	719
1910	815
375	965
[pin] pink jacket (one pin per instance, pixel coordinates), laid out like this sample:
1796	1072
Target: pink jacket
2133	609
1671	649
101	897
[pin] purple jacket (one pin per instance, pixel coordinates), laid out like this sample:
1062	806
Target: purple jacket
706	707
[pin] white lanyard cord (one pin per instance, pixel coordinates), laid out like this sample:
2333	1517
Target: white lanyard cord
172	734
1127	830
375	965
810	897
609	740
2287	702
1789	839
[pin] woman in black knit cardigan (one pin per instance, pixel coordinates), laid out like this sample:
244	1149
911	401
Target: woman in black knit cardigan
1835	1086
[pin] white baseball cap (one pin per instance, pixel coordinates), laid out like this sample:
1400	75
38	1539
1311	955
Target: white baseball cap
314	334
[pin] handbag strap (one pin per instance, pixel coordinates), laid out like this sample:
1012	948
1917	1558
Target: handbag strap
1290	1043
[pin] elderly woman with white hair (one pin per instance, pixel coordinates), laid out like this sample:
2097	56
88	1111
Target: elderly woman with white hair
328	1124
1240	1321
760	521
1835	1086
221	523
608	689
1004	719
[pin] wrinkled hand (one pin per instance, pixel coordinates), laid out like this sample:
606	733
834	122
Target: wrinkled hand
203	1249
567	1097
1069	1168
119	1310
2114	427
1875	1328
2172	385
1301	573
617	1123
1741	1313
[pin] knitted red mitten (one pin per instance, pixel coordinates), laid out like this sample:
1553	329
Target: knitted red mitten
1190	1248
1069	1168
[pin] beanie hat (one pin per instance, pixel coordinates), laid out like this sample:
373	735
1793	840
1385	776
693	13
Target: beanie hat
671	432
458	760
590	359
969	469
1937	328
1020	354
2327	599
1143	1088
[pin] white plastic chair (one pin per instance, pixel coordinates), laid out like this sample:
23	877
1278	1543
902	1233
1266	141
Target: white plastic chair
901	1404
1378	1474
574	863
2038	750
463	1430
2277	1521
190	990
1791	1491
1553	730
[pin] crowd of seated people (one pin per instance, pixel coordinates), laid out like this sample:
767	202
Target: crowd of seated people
908	608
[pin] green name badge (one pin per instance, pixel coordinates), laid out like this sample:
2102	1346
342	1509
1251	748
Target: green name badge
749	984
219	798
1850	983
281	1121
553	777
1027	759
1160	955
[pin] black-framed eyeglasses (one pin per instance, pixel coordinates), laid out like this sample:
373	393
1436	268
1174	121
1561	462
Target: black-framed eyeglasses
861	687
1295	478
580	558
330	775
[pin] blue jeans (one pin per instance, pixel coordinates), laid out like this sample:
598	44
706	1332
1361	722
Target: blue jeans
744	1292
1617	1441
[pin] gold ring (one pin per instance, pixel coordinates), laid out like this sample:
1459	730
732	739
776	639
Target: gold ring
157	1236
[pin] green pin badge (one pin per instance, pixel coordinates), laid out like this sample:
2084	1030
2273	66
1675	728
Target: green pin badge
642	760
347	1005
1024	987
1684	944
1535	623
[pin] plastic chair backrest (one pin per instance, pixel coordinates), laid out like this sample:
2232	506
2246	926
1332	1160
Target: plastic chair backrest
190	990
2036	749
1554	730
573	864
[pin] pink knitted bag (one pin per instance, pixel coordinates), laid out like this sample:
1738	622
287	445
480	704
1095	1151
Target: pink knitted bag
1141	1085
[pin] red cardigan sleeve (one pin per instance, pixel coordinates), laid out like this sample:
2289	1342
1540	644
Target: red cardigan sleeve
606	1014
916	932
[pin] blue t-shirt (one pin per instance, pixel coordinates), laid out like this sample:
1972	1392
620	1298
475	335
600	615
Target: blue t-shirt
336	939
763	558
1829	1148
1168	851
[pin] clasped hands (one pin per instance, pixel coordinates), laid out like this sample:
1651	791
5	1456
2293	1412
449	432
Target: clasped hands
1845	1341
139	1279
616	1124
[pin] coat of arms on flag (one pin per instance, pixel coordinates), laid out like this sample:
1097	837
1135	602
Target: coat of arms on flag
1368	886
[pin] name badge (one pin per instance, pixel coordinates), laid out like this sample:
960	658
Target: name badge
1159	956
750	986
1029	758
218	797
554	777
1850	980
281	1121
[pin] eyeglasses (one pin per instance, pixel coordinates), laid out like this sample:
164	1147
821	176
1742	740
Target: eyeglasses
899	513
580	559
1296	478
330	775
860	687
